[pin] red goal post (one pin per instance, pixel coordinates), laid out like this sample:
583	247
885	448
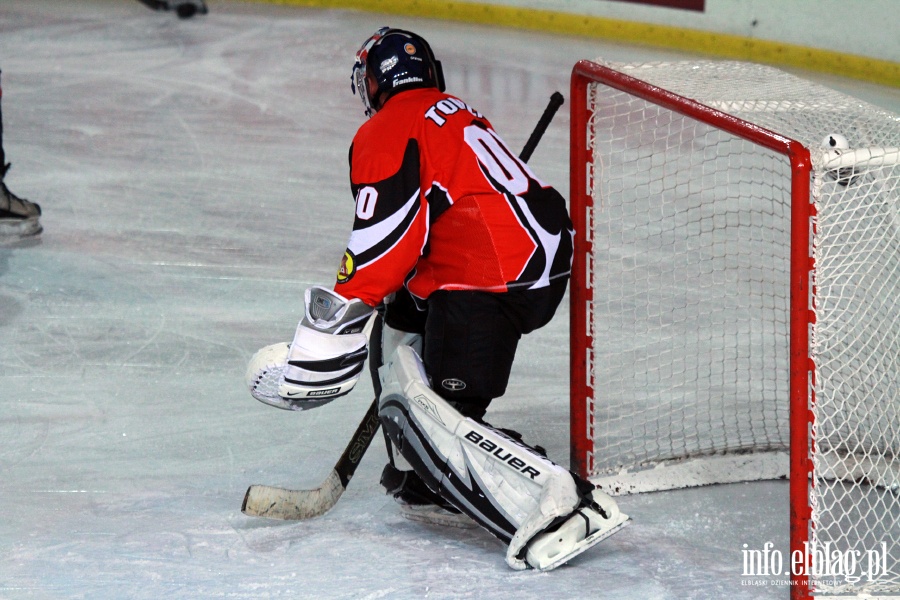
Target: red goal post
650	136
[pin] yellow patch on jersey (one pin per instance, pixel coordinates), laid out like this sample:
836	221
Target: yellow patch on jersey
348	268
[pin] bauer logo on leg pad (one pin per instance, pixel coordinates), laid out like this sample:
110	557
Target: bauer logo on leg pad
502	454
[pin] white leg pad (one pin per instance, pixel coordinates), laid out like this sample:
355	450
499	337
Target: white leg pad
391	339
507	487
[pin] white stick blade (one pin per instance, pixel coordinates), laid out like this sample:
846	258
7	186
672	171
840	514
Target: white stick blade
292	505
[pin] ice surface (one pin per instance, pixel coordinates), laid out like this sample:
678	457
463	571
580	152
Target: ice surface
193	180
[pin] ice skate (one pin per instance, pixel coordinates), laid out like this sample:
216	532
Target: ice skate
590	524
18	217
420	504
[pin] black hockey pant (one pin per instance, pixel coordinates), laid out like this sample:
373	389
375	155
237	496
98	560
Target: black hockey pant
470	337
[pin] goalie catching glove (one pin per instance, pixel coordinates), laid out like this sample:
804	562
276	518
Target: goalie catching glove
323	362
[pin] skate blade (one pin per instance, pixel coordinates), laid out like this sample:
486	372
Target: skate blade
433	515
586	544
17	229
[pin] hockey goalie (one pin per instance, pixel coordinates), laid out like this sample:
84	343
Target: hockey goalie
466	250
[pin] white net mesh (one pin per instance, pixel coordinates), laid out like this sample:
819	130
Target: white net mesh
690	279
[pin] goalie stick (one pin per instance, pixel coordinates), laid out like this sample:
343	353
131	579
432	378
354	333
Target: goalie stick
556	100
295	505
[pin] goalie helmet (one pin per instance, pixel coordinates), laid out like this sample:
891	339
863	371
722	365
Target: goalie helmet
394	60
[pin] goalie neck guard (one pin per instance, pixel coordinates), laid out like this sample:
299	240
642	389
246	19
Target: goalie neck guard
394	60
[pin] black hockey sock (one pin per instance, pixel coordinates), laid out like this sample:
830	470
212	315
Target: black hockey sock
409	488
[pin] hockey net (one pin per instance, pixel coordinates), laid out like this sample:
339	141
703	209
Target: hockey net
736	295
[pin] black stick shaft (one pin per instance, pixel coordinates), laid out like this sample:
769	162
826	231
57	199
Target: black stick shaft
556	100
368	427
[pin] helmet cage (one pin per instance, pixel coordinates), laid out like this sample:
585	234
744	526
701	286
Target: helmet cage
358	77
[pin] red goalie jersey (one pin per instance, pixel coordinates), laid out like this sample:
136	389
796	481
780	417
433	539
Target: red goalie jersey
443	204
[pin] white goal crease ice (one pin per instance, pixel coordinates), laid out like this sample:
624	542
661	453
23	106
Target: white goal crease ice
736	295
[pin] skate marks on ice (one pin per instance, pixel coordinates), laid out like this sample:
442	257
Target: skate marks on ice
193	180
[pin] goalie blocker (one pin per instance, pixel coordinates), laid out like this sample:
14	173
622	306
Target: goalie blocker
541	510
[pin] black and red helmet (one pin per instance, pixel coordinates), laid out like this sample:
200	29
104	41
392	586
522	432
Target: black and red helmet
396	60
